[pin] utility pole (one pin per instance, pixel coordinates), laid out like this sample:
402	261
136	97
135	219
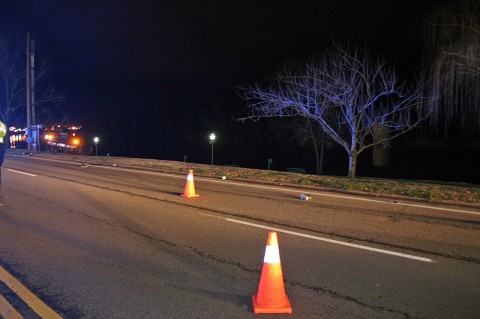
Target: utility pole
36	136
29	93
32	139
32	79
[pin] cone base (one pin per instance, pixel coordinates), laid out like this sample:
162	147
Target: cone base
257	309
189	196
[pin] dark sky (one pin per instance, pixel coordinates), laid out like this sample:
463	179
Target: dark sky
102	50
137	60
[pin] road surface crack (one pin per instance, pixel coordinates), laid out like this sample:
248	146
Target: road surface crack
309	229
337	295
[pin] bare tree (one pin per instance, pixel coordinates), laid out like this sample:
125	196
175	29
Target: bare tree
13	83
313	132
303	131
349	94
452	54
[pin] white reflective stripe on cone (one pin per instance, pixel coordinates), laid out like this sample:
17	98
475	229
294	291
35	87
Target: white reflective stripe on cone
272	255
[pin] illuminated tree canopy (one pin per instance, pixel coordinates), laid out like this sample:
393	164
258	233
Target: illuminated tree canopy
351	95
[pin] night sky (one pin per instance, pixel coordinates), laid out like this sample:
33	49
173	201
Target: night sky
135	70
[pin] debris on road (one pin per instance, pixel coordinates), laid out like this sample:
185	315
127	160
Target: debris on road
305	197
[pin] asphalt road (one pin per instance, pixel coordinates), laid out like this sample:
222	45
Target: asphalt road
110	242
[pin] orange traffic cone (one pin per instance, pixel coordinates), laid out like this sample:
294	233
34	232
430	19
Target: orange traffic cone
271	297
190	186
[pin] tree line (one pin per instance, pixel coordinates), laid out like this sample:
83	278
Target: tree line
359	102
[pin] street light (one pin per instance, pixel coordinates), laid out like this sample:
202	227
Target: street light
95	141
212	140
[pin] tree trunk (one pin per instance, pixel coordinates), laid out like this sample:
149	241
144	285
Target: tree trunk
319	155
352	165
322	158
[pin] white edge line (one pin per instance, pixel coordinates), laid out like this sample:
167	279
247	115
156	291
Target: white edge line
290	190
19	172
284	189
351	197
387	252
332	241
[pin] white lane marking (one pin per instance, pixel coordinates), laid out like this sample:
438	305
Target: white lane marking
332	241
296	191
350	197
439	208
19	172
30	299
290	190
284	189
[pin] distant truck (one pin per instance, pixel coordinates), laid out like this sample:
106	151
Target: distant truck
66	139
